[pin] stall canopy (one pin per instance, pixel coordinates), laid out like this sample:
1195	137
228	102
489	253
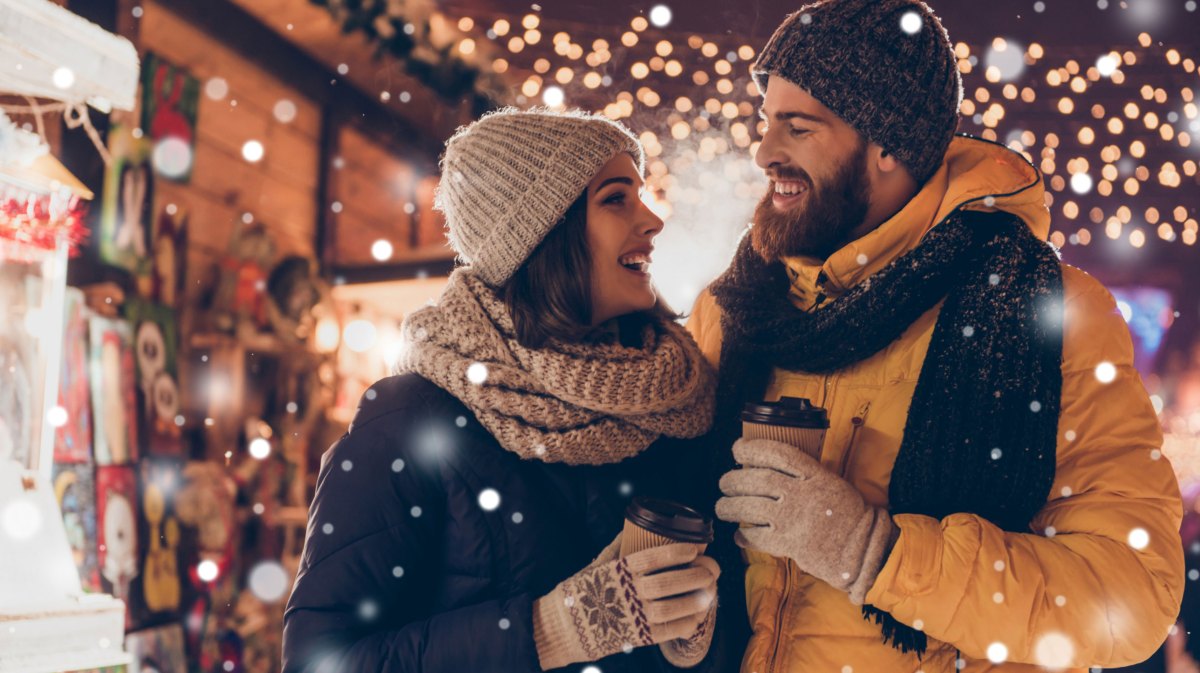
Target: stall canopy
48	52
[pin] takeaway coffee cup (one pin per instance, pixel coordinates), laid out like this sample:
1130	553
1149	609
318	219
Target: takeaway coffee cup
650	522
791	420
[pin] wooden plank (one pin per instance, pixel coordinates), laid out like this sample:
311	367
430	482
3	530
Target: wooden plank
165	33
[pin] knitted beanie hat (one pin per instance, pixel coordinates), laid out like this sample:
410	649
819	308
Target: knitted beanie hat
886	67
509	178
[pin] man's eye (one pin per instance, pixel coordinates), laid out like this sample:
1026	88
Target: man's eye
799	132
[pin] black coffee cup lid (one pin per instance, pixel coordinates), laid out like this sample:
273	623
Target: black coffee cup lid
796	412
670	519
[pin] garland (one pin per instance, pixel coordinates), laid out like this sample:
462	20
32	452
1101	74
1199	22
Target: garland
40	220
403	30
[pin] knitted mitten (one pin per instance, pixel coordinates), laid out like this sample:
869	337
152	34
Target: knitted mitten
792	507
621	604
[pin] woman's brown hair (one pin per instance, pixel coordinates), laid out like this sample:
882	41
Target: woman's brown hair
550	295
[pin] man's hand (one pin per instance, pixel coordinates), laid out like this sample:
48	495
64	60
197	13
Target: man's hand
789	506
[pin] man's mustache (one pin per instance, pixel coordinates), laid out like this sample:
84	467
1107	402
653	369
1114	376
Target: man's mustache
789	175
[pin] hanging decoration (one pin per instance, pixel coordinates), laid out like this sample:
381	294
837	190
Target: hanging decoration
40	201
417	35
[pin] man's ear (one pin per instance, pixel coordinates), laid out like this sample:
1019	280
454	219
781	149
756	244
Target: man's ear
885	161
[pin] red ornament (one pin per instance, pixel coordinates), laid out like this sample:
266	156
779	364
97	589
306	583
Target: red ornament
41	220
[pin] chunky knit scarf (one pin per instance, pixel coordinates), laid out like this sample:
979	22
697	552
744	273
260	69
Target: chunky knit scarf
591	402
981	432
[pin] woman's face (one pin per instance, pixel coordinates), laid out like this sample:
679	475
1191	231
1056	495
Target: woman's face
620	236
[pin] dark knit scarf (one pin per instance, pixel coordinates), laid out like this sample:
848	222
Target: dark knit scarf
981	432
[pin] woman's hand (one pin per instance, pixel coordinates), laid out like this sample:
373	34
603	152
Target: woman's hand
653	596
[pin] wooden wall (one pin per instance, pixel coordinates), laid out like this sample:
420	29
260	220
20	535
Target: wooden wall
279	191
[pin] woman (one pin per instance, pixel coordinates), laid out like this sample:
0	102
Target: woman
466	521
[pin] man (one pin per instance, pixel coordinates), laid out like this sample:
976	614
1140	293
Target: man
990	494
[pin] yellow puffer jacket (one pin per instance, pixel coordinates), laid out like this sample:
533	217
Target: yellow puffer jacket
1098	580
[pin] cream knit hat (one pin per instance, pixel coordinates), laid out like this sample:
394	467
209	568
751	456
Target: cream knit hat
508	179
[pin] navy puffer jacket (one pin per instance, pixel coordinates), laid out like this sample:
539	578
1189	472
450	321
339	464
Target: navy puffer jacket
428	543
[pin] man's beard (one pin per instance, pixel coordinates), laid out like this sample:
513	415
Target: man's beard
823	223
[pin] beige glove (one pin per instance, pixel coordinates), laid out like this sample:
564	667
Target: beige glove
616	605
688	652
790	506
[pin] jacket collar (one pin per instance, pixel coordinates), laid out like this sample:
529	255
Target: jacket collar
975	175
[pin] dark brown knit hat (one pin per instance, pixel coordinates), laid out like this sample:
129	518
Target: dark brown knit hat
886	67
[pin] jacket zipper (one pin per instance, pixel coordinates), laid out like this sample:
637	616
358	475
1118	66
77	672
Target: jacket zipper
787	591
859	420
787	567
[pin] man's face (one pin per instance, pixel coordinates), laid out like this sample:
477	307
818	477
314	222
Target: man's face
817	164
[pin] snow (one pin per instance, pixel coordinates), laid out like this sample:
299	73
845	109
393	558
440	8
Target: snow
1054	651
1139	539
489	499
1106	372
997	653
477	373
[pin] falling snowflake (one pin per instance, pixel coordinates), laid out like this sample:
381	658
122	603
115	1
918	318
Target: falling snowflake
397	572
1106	372
1066	491
368	610
1060	600
1051	531
461	421
327	529
625	488
998	597
397	465
347	465
1054	651
919	624
997	653
477	373
996	453
1035	406
829	512
911	23
489	499
268	581
1070	435
1139	539
504	624
994	279
862	259
968	331
517	517
416	512
999	566
370	394
591	669
1194	574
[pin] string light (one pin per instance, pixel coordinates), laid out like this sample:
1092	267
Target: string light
1103	145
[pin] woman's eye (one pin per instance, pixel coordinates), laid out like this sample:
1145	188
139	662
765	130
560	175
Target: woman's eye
616	199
